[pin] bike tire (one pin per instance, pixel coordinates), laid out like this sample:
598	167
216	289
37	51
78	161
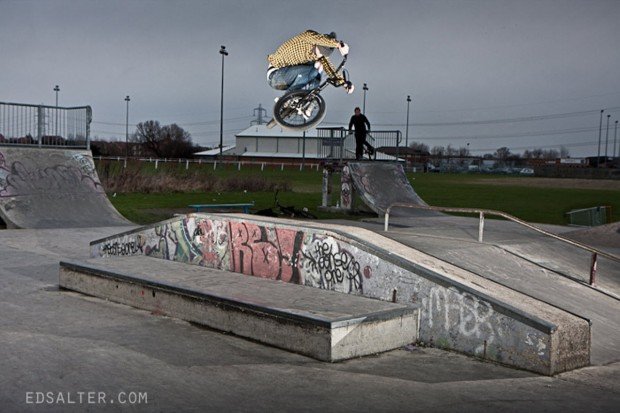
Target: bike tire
307	215
286	112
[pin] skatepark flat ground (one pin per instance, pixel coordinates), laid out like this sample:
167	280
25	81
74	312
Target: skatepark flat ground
63	343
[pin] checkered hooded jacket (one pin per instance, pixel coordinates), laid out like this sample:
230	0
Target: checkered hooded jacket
301	49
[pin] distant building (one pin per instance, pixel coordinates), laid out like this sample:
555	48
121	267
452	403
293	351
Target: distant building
226	150
259	143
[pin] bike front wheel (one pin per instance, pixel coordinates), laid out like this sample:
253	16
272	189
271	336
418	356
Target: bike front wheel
299	110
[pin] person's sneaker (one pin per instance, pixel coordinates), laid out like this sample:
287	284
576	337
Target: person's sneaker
308	112
276	99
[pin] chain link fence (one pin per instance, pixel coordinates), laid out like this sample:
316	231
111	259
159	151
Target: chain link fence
40	125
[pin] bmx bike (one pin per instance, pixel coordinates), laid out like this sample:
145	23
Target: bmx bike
305	108
288	211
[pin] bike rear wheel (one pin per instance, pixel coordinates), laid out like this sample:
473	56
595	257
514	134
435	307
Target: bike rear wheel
299	110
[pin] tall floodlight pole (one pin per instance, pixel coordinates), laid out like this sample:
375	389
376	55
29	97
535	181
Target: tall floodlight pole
56	89
615	135
127	128
223	52
607	138
600	126
407	130
364	105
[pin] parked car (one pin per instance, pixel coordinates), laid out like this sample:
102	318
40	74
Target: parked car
527	171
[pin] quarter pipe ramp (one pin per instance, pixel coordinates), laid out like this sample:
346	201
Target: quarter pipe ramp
381	184
53	188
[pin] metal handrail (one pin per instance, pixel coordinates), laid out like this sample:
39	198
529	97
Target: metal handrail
595	252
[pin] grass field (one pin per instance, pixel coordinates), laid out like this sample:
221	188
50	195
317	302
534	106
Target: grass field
540	200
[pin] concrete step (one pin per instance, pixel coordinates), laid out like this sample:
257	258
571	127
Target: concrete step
323	324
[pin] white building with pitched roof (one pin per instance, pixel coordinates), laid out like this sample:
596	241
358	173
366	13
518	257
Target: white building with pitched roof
258	142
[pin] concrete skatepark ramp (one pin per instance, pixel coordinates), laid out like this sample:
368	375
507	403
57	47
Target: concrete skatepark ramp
53	188
458	309
380	184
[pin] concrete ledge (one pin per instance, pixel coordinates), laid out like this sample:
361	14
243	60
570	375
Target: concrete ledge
322	324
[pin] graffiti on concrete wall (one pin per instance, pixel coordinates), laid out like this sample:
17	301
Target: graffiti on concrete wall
329	264
265	252
346	188
26	176
212	240
120	248
255	249
453	310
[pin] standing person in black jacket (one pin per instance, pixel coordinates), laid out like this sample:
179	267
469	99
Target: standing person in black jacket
361	127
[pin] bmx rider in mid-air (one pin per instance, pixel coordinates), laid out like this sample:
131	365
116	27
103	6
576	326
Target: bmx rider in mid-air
296	63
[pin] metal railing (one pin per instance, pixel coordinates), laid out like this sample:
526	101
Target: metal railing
338	144
25	124
331	143
482	212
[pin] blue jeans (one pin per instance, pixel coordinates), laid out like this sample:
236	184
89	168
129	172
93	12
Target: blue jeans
295	77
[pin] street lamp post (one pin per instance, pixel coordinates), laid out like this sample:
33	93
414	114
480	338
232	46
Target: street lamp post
56	89
127	129
607	138
615	135
364	105
407	129
600	126
223	52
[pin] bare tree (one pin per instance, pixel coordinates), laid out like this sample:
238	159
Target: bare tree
176	141
419	146
438	151
169	141
502	153
149	135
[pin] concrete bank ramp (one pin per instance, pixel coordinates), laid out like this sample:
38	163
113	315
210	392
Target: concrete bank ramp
458	309
380	184
53	188
604	236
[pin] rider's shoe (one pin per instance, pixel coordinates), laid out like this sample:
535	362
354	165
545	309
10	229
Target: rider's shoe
276	99
307	113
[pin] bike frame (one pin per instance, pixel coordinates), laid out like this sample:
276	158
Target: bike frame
330	80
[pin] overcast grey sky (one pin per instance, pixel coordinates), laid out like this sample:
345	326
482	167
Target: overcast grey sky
461	61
